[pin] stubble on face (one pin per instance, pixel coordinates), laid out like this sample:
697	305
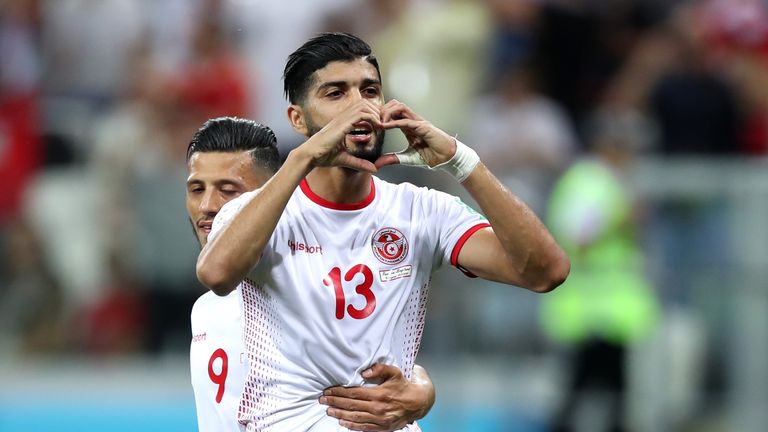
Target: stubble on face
225	175
200	238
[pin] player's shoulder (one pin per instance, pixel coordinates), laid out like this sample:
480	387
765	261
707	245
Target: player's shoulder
386	188
415	193
211	300
203	302
228	212
238	202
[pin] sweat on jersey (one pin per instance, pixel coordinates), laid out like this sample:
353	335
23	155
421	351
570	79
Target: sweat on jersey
338	288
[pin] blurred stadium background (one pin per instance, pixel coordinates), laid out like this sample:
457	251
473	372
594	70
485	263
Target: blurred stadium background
98	100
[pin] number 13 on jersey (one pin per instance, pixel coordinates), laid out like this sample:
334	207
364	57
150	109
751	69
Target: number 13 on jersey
333	279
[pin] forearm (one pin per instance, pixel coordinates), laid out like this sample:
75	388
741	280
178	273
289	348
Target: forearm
531	251
226	260
388	406
423	383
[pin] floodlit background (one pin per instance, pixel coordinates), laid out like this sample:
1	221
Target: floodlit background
637	129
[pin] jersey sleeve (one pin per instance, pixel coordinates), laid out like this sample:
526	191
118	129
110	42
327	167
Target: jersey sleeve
228	212
194	317
453	224
225	217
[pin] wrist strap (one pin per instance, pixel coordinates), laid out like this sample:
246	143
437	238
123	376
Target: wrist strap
461	164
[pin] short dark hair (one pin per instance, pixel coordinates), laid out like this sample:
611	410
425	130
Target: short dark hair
232	134
315	54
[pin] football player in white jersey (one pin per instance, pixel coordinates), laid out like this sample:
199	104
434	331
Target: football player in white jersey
229	156
333	263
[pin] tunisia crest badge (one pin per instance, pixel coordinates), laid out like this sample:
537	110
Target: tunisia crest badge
389	245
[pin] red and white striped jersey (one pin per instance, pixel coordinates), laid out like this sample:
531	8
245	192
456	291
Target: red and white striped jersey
338	288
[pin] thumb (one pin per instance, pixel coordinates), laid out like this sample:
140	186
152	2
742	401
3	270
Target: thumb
349	161
387	159
411	157
380	372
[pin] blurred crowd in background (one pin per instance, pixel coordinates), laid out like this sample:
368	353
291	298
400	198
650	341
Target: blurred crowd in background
561	99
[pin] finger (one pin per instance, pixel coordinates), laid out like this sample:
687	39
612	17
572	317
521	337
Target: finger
395	109
386	159
410	157
362	426
353	416
343	405
357	393
347	160
369	116
359	111
364	421
347	403
402	123
382	372
390	103
369	106
390	110
371	416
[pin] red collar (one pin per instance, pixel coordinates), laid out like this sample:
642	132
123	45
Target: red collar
337	206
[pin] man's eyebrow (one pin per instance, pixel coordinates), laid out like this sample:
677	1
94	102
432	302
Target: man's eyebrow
219	182
341	83
371	81
224	182
332	84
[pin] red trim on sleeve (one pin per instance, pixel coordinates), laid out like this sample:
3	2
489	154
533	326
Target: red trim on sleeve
337	206
460	244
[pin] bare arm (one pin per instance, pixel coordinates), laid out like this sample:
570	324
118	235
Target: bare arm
228	258
518	249
389	406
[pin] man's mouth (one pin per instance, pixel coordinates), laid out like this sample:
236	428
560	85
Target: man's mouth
205	226
361	133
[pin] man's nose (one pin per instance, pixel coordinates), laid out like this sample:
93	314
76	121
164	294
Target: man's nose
355	95
210	203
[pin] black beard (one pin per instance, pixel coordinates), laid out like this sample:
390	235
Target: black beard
371	155
374	153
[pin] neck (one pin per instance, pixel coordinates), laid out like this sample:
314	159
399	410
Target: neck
340	185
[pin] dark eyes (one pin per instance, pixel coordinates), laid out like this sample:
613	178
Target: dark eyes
199	190
368	92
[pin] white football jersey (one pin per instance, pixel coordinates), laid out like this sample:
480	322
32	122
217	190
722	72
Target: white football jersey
218	361
338	288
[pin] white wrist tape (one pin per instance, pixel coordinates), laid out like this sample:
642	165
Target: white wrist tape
461	164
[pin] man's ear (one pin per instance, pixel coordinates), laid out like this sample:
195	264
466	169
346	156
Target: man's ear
297	119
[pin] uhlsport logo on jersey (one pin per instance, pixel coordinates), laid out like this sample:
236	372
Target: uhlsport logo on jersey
389	245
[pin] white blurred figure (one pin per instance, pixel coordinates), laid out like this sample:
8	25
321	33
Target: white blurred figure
270	32
88	44
524	137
